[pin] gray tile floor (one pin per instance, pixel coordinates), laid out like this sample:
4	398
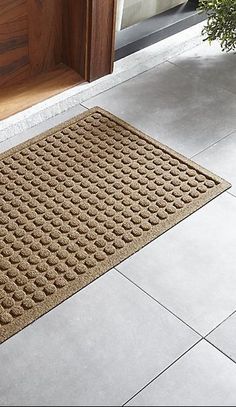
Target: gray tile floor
160	328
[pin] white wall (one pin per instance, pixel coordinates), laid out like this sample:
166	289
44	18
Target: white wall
130	12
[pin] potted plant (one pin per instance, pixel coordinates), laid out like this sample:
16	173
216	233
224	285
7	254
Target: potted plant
221	22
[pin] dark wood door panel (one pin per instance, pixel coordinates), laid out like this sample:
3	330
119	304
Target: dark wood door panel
13	60
14	52
45	34
36	36
89	36
11	10
75	35
102	14
30	38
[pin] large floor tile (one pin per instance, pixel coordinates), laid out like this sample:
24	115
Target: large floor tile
97	348
178	109
191	268
224	337
202	377
211	64
40	128
220	158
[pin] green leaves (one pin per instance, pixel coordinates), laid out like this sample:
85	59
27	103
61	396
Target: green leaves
221	23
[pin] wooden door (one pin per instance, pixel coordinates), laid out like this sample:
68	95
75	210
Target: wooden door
37	36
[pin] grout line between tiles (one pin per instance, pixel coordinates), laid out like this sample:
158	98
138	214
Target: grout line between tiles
121	83
175	361
219	350
222	322
163	306
82	103
213	144
202	79
231	193
163	371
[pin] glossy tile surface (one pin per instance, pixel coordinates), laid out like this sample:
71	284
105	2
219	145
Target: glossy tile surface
191	268
106	343
210	64
221	159
178	109
224	336
202	377
97	348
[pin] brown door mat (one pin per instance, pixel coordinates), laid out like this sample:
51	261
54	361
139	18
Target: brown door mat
79	199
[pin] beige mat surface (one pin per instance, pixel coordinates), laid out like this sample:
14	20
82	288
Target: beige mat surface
79	199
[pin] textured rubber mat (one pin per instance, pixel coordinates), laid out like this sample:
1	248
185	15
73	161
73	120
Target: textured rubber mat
79	199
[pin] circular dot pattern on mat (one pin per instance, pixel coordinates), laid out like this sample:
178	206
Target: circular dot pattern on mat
70	203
